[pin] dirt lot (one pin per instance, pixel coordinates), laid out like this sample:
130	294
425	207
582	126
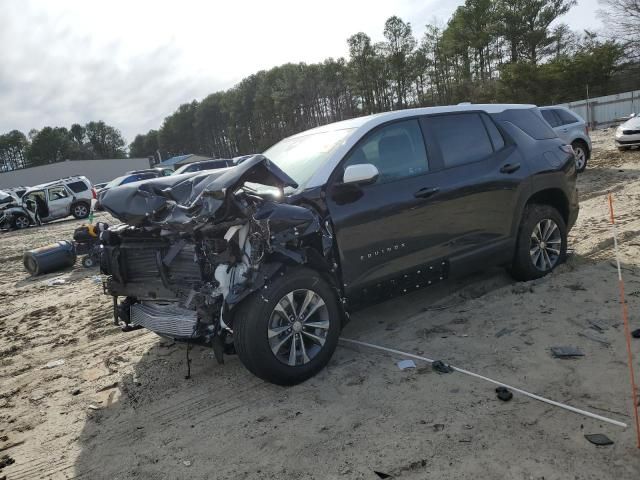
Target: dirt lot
120	406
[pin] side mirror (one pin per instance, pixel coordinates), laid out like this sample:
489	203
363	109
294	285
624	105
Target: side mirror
362	174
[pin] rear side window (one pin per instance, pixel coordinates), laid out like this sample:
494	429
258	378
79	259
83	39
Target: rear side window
565	117
551	118
57	193
529	121
78	187
397	150
463	138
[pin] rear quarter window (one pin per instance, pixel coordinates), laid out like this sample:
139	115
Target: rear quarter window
566	117
530	121
78	186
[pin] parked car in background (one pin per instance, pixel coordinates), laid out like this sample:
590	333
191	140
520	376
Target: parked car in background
17	191
572	129
204	165
130	177
99	186
628	134
51	201
161	171
369	208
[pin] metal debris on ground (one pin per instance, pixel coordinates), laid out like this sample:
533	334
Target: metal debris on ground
441	367
504	394
406	364
56	281
566	352
54	363
504	331
599	439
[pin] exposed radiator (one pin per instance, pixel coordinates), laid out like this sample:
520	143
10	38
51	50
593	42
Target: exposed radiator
168	319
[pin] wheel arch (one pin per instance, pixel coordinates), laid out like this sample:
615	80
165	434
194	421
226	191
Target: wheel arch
554	197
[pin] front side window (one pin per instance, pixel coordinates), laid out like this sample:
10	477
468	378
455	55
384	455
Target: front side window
57	193
462	137
396	150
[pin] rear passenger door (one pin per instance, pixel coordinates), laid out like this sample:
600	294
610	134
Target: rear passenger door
479	175
58	201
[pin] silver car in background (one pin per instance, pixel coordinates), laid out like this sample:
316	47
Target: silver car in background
570	127
628	134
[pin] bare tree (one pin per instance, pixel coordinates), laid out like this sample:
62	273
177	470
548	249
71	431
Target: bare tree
622	19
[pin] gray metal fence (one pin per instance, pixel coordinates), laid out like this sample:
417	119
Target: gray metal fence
602	112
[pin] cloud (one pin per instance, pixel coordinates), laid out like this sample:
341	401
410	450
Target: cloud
131	63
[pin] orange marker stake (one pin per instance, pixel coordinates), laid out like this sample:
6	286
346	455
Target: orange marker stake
625	319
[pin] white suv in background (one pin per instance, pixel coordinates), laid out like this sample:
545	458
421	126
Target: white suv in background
51	201
570	127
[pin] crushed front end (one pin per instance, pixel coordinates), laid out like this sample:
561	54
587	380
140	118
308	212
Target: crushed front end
193	246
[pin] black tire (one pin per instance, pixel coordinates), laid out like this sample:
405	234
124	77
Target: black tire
523	267
251	326
80	210
88	262
581	151
20	221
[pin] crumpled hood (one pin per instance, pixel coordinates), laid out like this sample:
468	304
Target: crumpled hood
185	201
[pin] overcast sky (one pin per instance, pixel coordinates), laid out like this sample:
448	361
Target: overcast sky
132	62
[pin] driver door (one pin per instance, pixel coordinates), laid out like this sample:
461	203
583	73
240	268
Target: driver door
384	230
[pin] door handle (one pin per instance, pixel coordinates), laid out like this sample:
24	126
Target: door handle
510	168
426	192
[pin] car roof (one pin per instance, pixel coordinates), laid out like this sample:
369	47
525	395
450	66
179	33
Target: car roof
369	121
60	181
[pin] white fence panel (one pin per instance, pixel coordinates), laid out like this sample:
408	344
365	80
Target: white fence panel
607	110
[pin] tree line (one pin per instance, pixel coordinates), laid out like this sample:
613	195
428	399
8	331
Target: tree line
95	140
489	51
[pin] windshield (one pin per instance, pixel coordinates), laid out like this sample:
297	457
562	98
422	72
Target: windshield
300	157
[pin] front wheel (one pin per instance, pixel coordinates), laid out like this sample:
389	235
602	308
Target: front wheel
541	244
286	333
21	221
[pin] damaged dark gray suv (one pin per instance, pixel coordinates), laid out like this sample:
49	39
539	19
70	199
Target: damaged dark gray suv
268	258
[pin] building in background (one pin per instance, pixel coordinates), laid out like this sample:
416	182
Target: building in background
97	171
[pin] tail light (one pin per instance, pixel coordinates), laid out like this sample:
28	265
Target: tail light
93	192
568	149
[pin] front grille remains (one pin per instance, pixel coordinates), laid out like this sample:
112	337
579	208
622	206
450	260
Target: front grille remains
168	319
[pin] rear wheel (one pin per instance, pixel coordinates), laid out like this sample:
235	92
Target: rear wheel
542	243
581	153
286	333
21	221
80	210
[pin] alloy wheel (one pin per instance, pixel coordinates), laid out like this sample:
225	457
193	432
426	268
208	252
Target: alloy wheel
22	222
298	327
80	210
581	157
545	245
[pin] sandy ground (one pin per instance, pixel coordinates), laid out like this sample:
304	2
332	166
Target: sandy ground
120	406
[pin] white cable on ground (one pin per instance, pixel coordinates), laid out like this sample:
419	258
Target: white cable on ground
490	380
